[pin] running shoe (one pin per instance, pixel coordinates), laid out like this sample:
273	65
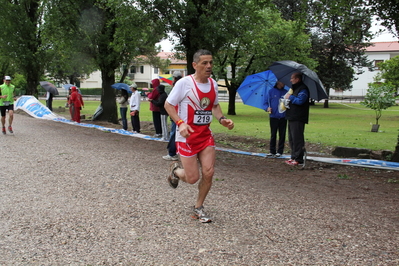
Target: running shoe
10	129
277	155
3	130
291	162
173	180
170	158
200	214
270	155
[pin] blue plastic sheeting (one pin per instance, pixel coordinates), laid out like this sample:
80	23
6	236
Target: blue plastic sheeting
36	109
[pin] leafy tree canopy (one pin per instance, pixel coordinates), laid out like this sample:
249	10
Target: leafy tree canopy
340	36
110	33
387	12
389	72
270	39
21	42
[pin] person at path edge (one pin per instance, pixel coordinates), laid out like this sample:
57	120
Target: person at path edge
297	115
7	103
277	120
75	104
196	99
171	147
134	103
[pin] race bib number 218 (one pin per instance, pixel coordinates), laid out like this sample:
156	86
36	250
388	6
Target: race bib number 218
202	117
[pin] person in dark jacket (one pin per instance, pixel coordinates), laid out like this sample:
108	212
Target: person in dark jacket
277	120
171	147
160	102
297	115
156	114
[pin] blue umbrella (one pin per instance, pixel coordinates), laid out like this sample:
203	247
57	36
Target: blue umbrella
122	86
254	90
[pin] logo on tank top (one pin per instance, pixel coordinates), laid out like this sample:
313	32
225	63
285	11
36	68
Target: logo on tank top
205	102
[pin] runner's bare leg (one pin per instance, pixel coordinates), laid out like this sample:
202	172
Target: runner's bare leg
190	172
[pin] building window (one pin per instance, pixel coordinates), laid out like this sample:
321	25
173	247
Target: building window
156	70
133	69
376	62
142	69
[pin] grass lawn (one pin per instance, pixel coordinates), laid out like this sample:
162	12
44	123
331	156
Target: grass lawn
342	124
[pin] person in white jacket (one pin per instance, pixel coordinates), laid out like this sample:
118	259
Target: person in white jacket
135	99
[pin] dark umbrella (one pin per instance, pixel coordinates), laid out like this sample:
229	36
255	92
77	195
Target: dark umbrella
68	86
254	89
49	87
122	86
284	69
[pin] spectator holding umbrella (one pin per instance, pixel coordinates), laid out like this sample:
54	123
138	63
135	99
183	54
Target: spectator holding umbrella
297	115
49	100
277	120
123	101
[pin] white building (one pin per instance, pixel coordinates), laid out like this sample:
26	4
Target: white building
140	73
379	52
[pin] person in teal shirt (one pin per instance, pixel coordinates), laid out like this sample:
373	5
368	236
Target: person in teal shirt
7	103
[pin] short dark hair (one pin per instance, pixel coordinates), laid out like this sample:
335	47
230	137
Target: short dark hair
196	57
297	75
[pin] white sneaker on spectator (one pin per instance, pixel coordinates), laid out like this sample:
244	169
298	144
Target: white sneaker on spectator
170	158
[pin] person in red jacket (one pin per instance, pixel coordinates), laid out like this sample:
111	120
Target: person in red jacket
156	111
75	103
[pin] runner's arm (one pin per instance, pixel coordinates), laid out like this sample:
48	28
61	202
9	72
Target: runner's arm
184	128
217	112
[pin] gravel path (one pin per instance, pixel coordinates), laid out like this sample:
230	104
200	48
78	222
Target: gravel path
79	196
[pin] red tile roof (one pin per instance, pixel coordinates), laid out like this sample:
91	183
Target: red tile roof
384	47
171	57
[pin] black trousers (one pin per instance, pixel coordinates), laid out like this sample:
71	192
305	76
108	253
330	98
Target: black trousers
277	125
296	138
156	118
49	104
136	122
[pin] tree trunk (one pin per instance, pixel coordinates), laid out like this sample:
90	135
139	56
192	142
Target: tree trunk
325	103
108	102
32	73
124	74
190	54
232	102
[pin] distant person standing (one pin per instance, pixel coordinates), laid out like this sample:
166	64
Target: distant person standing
277	120
76	104
7	92
297	115
134	104
49	100
123	102
171	147
156	111
160	102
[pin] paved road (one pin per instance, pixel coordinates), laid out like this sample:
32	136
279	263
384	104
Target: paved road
79	196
